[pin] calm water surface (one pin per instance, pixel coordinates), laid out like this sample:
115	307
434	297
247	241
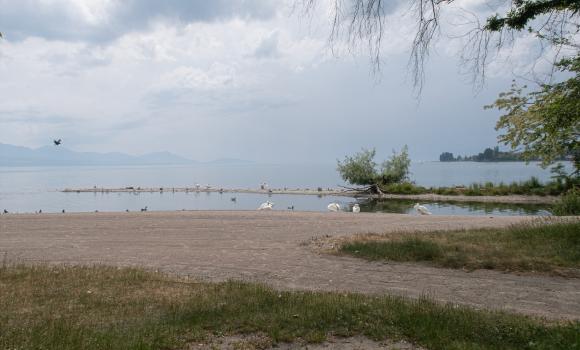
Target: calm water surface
29	189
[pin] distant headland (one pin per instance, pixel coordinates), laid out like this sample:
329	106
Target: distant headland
488	155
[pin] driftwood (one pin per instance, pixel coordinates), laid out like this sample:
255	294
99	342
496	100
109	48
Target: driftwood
373	189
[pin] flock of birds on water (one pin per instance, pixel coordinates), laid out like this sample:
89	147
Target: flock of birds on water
333	207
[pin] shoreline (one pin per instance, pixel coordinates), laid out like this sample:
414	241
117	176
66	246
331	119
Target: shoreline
272	248
429	197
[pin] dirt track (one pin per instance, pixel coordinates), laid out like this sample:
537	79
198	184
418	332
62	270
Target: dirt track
267	247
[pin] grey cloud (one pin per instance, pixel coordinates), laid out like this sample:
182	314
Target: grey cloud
268	48
24	18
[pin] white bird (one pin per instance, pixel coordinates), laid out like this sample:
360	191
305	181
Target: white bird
334	207
356	208
421	209
266	206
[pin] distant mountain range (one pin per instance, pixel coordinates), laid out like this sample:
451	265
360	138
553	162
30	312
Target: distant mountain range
11	155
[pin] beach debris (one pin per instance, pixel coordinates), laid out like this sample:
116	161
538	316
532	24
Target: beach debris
144	209
421	209
334	207
266	206
356	208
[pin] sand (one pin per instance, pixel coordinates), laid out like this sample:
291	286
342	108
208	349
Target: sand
270	247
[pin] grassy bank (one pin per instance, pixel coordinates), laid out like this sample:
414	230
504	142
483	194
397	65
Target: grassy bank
553	248
529	187
109	308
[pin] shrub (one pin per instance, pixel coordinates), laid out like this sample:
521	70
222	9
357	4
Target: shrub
569	204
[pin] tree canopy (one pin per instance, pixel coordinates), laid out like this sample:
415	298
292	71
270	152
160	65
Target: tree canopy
555	23
361	169
545	124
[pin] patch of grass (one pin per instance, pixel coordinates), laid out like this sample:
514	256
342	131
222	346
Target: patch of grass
552	248
108	308
533	186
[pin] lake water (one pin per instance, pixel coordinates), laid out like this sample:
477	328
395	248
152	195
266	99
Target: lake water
29	189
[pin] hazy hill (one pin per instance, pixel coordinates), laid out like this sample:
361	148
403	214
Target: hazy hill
57	155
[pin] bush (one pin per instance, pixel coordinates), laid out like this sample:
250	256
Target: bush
361	168
569	204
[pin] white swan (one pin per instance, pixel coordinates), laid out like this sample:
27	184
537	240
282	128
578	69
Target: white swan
421	209
266	206
356	208
334	207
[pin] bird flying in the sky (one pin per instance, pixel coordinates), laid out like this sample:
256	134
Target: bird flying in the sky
57	142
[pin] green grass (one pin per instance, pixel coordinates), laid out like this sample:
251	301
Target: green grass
529	187
108	308
552	248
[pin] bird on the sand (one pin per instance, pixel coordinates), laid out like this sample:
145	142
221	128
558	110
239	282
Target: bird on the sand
356	208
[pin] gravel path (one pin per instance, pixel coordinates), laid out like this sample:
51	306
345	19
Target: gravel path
269	247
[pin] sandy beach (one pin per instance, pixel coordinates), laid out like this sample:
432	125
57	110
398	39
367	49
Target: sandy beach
272	247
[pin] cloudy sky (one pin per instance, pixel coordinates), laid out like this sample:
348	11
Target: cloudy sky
251	79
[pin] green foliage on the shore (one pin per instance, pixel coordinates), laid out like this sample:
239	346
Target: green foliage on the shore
108	308
533	186
361	169
551	248
569	204
544	123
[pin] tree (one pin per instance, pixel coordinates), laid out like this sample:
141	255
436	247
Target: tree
446	157
362	170
396	169
555	23
359	169
545	124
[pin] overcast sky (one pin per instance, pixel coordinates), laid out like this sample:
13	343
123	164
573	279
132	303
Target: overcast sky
250	79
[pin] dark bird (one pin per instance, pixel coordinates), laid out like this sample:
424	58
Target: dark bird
127	210
5	211
233	199
57	142
63	211
291	207
144	209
